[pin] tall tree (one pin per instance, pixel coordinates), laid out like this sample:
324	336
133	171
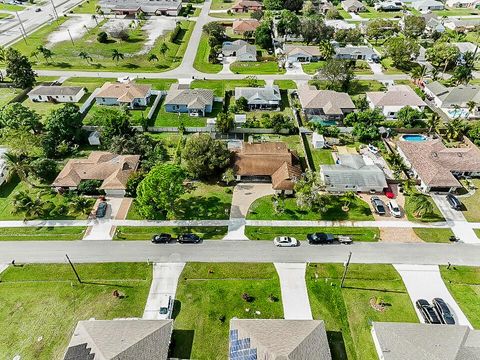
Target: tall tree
85	56
117	56
289	23
414	26
402	51
338	73
263	35
314	30
19	69
442	55
16	116
326	49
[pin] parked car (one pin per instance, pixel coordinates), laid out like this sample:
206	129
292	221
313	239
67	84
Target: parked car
373	149
394	208
188	238
378	205
38	9
320	238
101	209
428	312
285	241
161	238
454	202
443	311
346	240
166	307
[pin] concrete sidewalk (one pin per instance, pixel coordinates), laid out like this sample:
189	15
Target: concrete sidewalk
425	282
3	267
296	305
164	282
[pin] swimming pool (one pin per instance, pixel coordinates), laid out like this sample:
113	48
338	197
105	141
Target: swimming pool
414	137
317	119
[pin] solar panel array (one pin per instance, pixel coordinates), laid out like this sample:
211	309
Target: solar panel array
240	348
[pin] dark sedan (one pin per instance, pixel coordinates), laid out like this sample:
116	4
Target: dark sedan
443	310
101	209
378	205
161	238
320	238
428	312
188	239
454	202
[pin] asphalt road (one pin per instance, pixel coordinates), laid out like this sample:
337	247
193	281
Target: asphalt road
236	251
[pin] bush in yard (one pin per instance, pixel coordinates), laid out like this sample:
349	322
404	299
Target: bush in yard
133	181
174	33
228	176
90	187
19	69
102	37
224	122
246	297
45	169
241	103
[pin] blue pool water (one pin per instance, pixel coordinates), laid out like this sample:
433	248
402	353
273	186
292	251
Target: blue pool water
319	120
414	137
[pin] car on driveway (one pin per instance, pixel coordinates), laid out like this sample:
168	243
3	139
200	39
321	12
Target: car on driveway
188	238
101	209
454	202
320	238
285	241
378	205
443	310
394	209
428	312
161	238
166	307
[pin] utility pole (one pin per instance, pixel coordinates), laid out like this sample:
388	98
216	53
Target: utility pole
22	30
54	10
68	30
346	268
75	271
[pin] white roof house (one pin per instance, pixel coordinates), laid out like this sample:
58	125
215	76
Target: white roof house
340	24
61	94
318	141
242	50
427	5
267	97
389	5
151	7
462	3
394	99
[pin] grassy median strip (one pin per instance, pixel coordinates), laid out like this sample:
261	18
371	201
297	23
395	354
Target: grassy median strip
371	293
146	232
210	294
41	304
434	235
42	233
300	233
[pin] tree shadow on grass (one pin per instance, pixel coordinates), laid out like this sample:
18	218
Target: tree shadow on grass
374	289
7	188
62	64
131	66
97	65
337	345
181	344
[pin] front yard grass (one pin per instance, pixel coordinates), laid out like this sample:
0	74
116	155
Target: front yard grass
374	14
256	67
472	203
463	282
201	62
42	233
11	7
434	235
41	304
7	94
435	216
146	232
262	209
456	12
313	67
87	82
285	84
319	156
205	201
367	234
210	294
219	87
356	88
347	312
87	7
221	5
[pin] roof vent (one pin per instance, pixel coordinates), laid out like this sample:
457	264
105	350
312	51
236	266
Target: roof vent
434	154
460	154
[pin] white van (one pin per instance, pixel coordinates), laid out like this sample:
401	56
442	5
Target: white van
166	307
394	209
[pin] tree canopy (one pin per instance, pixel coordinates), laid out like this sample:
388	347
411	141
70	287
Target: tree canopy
19	69
16	116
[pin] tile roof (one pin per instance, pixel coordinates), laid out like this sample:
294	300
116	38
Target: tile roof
434	163
410	341
330	101
243	25
56	90
398	95
262	159
192	98
113	169
123	92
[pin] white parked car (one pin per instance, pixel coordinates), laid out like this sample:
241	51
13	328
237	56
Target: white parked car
394	209
285	241
373	149
166	307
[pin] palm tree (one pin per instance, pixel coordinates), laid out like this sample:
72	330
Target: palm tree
471	105
433	123
417	72
84	55
347	198
80	204
34	54
116	55
18	165
434	72
163	49
421	205
326	49
454	129
94	17
47	53
152	57
31	206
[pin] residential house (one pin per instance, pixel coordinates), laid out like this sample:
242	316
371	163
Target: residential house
389	6
351	52
120	339
135	7
130	94
278	339
455	101
243	6
410	341
433	24
242	50
263	98
462	3
112	169
463	48
438	167
268	161
242	26
427	5
353	173
394	99
195	102
328	104
354	6
340	24
58	94
461	25
318	140
302	53
324	7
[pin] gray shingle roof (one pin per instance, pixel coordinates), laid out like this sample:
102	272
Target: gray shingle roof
357	50
56	90
240	47
436	88
257	95
149	6
331	102
409	341
189	97
459	95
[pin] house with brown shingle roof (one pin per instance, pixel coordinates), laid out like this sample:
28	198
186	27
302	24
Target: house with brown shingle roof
130	94
114	171
328	104
243	6
438	167
269	161
241	26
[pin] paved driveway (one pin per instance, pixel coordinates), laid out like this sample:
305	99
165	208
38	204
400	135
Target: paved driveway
296	305
244	195
102	228
425	282
164	282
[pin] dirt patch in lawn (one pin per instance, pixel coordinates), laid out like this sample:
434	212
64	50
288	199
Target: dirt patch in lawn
399	235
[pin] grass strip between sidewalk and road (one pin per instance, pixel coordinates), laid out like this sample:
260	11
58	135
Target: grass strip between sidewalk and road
434	235
48	233
146	232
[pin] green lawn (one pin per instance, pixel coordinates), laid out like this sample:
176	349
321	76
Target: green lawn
94	117
285	84
146	232
157	84
433	217
66	53
44	108
221	5
11	7
463	282
86	7
205	201
313	67
231	16
170	141
219	87
343	13
319	156
201	62
387	64
42	233
374	14
7	94
456	12
357	87
434	235
210	294
347	312
41	304
90	83
300	233
262	209
472	203
170	119
256	67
